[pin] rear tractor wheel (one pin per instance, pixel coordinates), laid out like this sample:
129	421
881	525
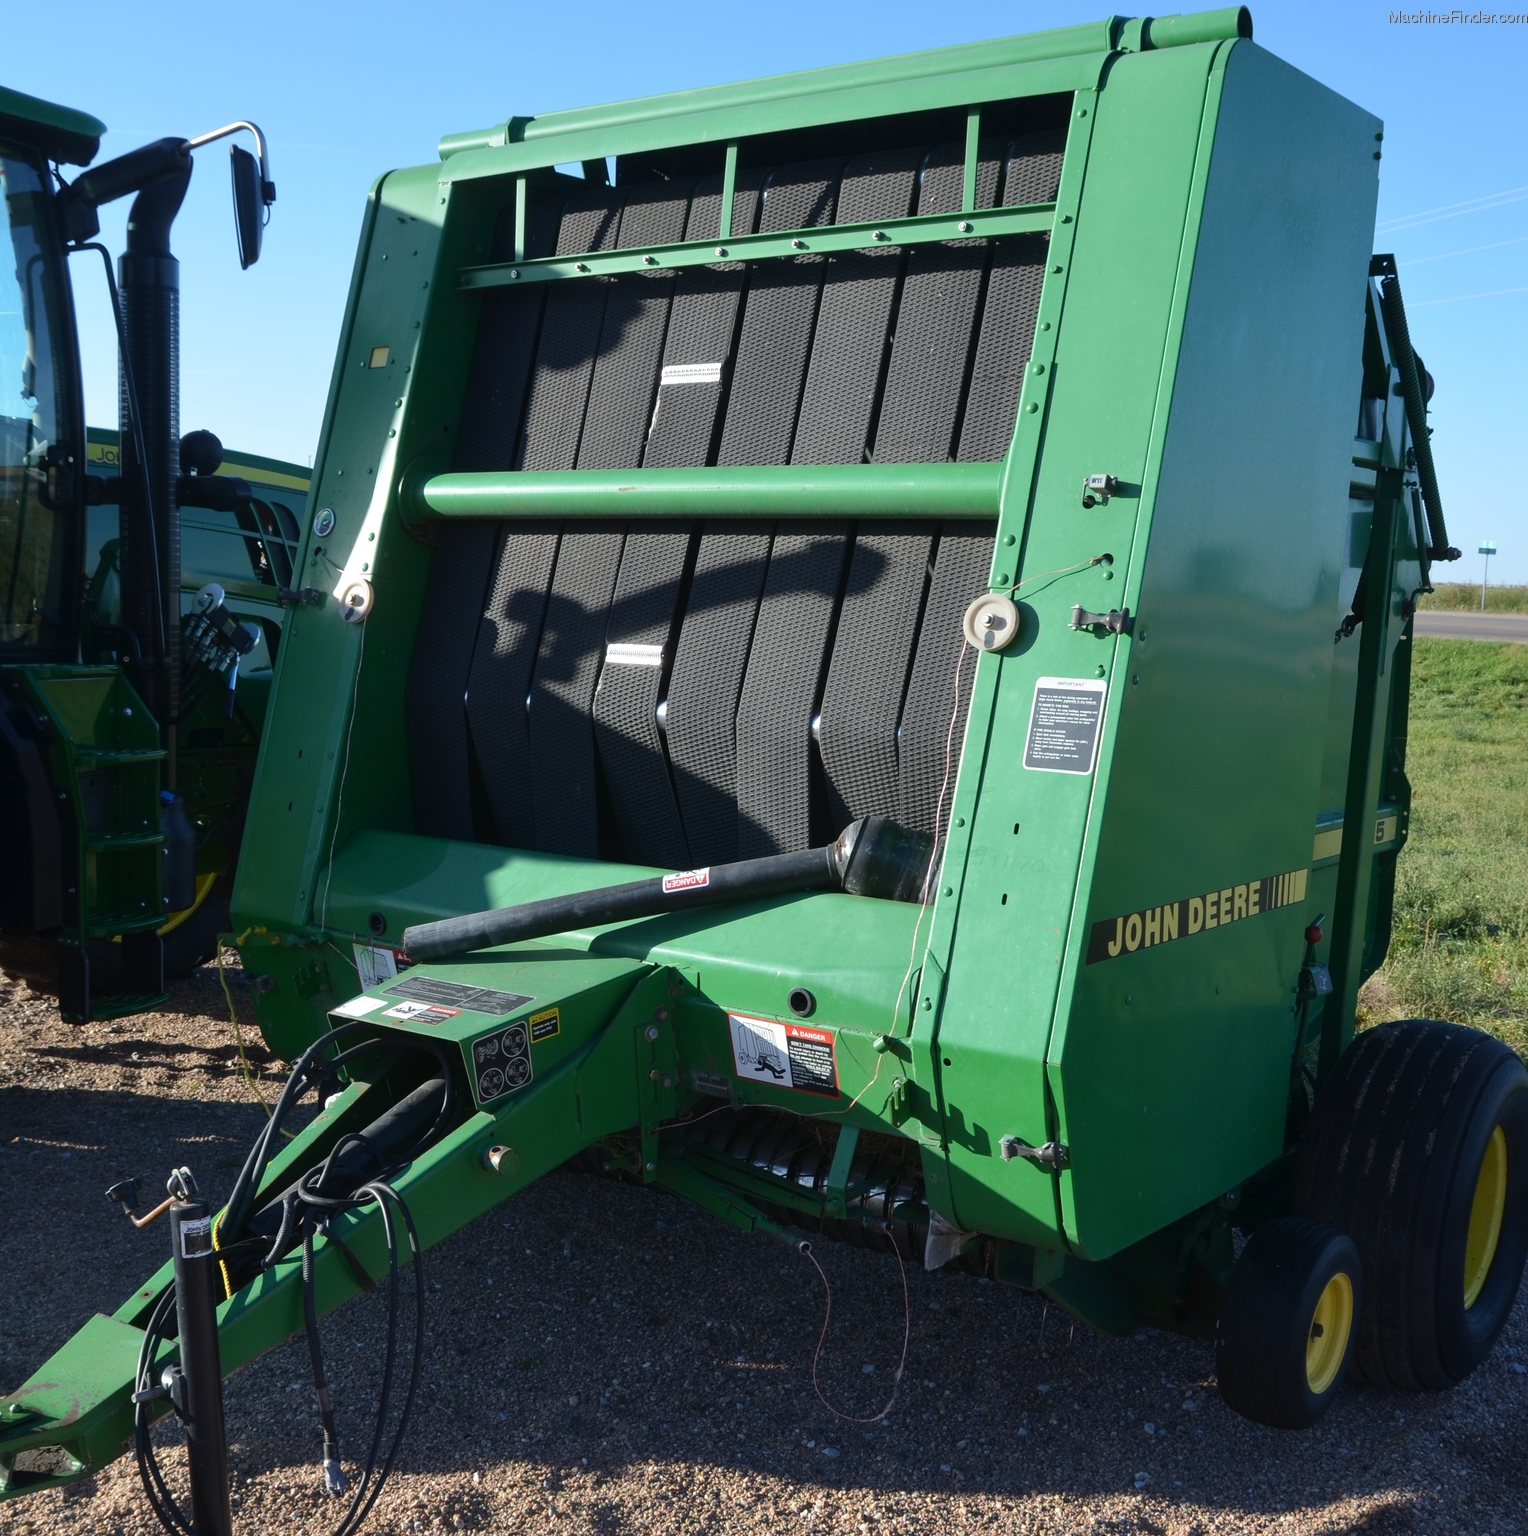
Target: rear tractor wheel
1287	1327
1418	1147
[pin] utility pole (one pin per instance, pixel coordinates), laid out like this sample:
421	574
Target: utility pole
1487	549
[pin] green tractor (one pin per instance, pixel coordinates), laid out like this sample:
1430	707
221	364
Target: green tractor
142	582
865	687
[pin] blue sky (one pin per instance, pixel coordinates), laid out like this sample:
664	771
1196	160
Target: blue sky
346	91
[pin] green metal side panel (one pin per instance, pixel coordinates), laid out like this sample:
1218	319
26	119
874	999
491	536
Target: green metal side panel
1026	827
1170	1065
326	666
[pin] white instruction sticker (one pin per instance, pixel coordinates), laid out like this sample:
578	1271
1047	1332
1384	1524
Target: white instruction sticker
374	964
1063	724
359	1007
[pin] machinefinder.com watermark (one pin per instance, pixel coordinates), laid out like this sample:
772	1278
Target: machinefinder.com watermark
1459	18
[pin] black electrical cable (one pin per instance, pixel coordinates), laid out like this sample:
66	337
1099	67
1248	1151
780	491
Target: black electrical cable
307	1208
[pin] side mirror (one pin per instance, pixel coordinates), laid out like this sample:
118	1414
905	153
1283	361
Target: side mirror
248	204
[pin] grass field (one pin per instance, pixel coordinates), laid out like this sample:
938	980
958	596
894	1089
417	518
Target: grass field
1460	946
1454	595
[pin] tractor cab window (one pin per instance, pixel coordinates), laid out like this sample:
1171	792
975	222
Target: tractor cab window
35	443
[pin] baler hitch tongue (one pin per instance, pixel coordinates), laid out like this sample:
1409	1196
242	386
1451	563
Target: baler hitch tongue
870	857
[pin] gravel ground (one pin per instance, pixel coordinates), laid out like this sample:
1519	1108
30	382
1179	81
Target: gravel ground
604	1359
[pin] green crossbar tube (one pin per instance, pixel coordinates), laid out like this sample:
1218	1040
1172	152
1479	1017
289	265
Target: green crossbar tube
792	490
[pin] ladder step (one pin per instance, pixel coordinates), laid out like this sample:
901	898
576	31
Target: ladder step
97	757
115	842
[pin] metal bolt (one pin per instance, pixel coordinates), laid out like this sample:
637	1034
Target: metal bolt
582	266
650	1034
666	1081
879	234
514	274
655	1074
660	1013
721	250
798	245
964	226
649	261
651	1167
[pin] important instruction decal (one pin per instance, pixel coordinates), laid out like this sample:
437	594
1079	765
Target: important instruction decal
1116	936
545	1024
784	1055
1063	724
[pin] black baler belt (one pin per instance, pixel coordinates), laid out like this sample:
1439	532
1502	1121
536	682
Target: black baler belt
501	367
781	688
849	343
626	371
437	716
868	675
1033	168
702	327
631	338
772	350
941	181
508	638
506	346
568	659
779	312
570	334
1006	337
554	414
961	567
926	375
638	644
709	662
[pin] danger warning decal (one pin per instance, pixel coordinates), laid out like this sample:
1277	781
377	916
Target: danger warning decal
784	1055
1116	936
687	880
421	1013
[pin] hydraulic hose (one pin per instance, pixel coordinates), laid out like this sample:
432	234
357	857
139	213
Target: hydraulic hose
1415	402
870	857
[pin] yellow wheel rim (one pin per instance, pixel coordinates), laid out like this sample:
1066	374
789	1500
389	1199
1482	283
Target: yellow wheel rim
1485	1217
1327	1344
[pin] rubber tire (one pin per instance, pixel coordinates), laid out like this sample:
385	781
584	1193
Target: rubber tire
195	941
1391	1155
1265	1323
